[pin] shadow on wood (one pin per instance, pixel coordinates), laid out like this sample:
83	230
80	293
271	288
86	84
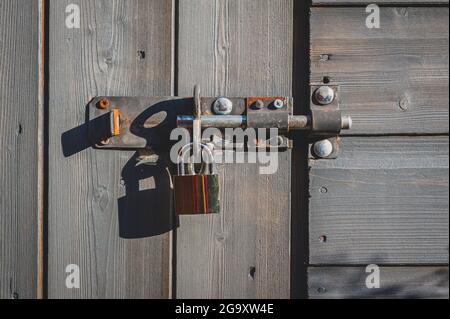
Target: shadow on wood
146	209
77	139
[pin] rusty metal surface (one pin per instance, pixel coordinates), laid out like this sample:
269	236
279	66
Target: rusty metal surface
197	194
145	123
326	121
262	113
207	103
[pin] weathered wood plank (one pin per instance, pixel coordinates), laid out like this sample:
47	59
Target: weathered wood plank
379	2
105	215
393	79
19	155
395	282
384	200
238	48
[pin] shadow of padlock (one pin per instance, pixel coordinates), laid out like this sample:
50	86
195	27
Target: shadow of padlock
196	193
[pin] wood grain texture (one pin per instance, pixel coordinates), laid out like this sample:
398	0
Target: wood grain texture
393	79
19	109
379	2
100	204
395	282
384	200
238	48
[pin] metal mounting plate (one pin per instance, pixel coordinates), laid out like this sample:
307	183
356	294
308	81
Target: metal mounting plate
146	122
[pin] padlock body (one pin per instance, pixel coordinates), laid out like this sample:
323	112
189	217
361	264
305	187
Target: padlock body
197	194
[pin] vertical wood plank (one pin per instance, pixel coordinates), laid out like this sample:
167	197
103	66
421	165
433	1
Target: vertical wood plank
87	187
238	48
19	110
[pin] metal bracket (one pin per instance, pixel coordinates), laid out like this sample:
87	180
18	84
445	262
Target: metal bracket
146	123
327	121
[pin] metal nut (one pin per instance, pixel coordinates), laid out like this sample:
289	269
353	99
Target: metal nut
278	104
324	95
323	148
223	106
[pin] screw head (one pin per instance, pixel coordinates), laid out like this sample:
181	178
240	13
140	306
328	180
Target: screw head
323	190
323	148
278	104
103	104
324	95
223	106
259	105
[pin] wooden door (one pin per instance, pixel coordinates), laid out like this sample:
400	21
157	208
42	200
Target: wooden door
308	231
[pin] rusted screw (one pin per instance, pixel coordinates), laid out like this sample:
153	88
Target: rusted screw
324	95
223	106
323	148
103	104
278	104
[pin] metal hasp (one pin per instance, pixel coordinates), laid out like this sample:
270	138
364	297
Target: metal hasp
146	123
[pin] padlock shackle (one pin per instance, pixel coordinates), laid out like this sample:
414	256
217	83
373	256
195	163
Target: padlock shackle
192	171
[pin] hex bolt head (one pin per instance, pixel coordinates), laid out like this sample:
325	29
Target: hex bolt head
278	104
223	106
323	148
324	95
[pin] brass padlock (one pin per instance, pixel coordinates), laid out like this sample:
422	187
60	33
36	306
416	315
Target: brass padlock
196	193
